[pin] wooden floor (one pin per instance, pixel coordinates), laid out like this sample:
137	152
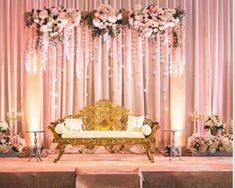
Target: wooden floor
205	171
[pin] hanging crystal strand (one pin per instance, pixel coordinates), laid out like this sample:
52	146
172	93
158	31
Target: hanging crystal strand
91	48
172	49
35	49
182	43
28	49
107	40
67	41
78	33
119	47
139	43
44	50
86	58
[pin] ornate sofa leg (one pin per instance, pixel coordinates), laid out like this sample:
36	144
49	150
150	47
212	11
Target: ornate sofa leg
149	154
61	151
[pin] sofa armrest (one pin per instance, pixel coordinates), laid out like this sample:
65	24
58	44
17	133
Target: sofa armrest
52	126
154	126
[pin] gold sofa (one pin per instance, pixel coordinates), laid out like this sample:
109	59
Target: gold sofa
103	116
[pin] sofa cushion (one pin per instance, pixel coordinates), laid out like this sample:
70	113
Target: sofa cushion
135	123
73	124
59	128
102	134
146	130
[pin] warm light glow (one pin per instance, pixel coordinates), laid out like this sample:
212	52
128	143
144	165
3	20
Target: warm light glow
177	107
33	104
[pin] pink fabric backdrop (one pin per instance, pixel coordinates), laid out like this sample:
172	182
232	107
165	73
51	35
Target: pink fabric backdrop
135	85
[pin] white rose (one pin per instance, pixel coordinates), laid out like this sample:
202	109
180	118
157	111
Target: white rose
119	17
155	30
145	11
97	14
43	28
36	20
52	34
112	19
54	11
3	141
131	20
171	24
114	26
43	14
173	11
137	17
64	22
62	15
136	23
96	23
151	22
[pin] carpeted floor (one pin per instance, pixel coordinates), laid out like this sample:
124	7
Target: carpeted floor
195	172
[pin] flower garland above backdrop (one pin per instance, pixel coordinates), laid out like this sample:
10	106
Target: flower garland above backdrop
153	20
51	27
105	21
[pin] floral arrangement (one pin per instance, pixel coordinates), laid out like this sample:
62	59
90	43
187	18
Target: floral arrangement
52	22
214	123
105	20
152	20
14	143
3	126
210	143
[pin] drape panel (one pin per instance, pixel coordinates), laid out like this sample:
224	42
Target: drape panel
123	75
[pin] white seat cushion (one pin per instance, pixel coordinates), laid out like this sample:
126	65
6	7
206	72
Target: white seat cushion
103	134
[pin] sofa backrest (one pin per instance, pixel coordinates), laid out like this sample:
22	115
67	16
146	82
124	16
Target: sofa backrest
104	115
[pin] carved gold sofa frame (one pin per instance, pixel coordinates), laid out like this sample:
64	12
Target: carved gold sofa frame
104	116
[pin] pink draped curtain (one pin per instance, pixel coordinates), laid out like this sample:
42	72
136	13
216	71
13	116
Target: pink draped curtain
123	77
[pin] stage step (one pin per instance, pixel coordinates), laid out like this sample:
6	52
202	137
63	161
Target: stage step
109	178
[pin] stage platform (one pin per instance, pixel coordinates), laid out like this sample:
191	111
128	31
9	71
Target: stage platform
192	172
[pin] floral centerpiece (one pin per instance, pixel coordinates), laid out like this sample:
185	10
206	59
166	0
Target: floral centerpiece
14	143
3	126
105	21
153	19
210	143
214	123
52	21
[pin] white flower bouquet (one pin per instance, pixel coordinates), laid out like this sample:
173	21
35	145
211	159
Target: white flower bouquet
214	123
152	20
210	143
52	21
14	143
3	126
105	20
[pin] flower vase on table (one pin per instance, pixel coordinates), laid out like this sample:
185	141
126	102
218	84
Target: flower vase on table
215	125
